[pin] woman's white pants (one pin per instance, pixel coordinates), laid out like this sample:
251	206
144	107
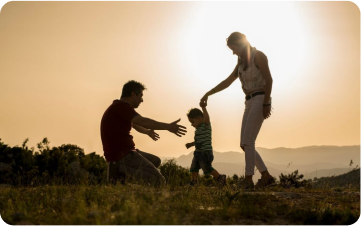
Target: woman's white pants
251	125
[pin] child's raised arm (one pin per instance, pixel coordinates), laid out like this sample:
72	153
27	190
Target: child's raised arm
205	112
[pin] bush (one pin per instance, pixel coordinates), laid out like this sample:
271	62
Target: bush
66	164
293	180
175	175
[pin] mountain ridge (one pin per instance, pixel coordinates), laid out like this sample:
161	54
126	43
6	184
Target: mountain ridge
310	160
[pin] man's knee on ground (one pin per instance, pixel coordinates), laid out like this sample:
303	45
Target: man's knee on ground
157	162
114	175
157	180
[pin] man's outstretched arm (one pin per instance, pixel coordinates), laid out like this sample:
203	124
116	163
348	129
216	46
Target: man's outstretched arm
173	127
149	132
140	129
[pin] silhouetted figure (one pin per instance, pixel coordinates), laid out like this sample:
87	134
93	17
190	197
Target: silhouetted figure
118	145
253	71
203	154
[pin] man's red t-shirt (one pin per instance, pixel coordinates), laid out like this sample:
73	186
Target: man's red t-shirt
115	130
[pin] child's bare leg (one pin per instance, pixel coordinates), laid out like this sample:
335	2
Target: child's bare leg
195	176
220	178
215	174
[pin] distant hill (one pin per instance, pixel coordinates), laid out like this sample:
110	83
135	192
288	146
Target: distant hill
227	157
350	179
326	173
312	154
313	161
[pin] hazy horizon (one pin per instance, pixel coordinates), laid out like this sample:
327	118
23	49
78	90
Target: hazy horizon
63	63
241	151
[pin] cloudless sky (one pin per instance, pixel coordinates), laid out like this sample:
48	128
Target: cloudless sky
63	63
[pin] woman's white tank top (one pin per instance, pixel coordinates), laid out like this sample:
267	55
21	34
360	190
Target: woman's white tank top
251	78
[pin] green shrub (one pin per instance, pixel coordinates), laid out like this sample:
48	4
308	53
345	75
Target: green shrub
293	180
66	164
175	175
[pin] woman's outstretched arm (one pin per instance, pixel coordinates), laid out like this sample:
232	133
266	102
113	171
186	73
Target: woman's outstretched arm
221	86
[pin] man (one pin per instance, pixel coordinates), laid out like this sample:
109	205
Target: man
118	145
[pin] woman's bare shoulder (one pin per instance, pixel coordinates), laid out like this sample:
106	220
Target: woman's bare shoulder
260	54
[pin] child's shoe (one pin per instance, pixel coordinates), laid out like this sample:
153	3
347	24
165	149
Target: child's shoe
263	183
193	183
221	180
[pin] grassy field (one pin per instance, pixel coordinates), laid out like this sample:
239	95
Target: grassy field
63	185
134	204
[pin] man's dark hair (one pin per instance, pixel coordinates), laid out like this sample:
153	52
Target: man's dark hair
195	113
132	86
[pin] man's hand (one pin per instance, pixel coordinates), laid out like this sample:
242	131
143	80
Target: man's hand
177	129
266	112
153	135
188	145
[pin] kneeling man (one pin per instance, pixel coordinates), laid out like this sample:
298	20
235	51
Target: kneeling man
118	145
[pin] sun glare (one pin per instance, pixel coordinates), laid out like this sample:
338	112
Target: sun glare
280	36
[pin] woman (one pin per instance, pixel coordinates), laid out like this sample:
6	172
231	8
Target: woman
254	74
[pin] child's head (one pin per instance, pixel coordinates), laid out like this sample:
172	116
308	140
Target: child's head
195	117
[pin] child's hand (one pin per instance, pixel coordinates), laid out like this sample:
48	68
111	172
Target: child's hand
204	98
203	104
188	145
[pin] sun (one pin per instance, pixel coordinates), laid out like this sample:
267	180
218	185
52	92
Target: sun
276	29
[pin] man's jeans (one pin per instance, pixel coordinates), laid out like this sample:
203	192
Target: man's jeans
138	165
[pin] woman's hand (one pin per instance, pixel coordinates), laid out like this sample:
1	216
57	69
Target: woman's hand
153	135
204	100
266	111
203	104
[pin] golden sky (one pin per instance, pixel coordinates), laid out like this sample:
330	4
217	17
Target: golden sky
63	63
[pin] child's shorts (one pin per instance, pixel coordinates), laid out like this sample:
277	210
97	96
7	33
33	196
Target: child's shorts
202	160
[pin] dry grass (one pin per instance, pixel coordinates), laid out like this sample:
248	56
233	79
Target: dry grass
134	204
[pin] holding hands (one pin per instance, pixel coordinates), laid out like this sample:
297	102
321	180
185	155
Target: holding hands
204	100
203	104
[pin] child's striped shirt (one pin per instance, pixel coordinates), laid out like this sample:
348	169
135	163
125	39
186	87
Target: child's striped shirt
203	137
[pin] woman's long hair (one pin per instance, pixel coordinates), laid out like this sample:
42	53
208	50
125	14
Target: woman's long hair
240	40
